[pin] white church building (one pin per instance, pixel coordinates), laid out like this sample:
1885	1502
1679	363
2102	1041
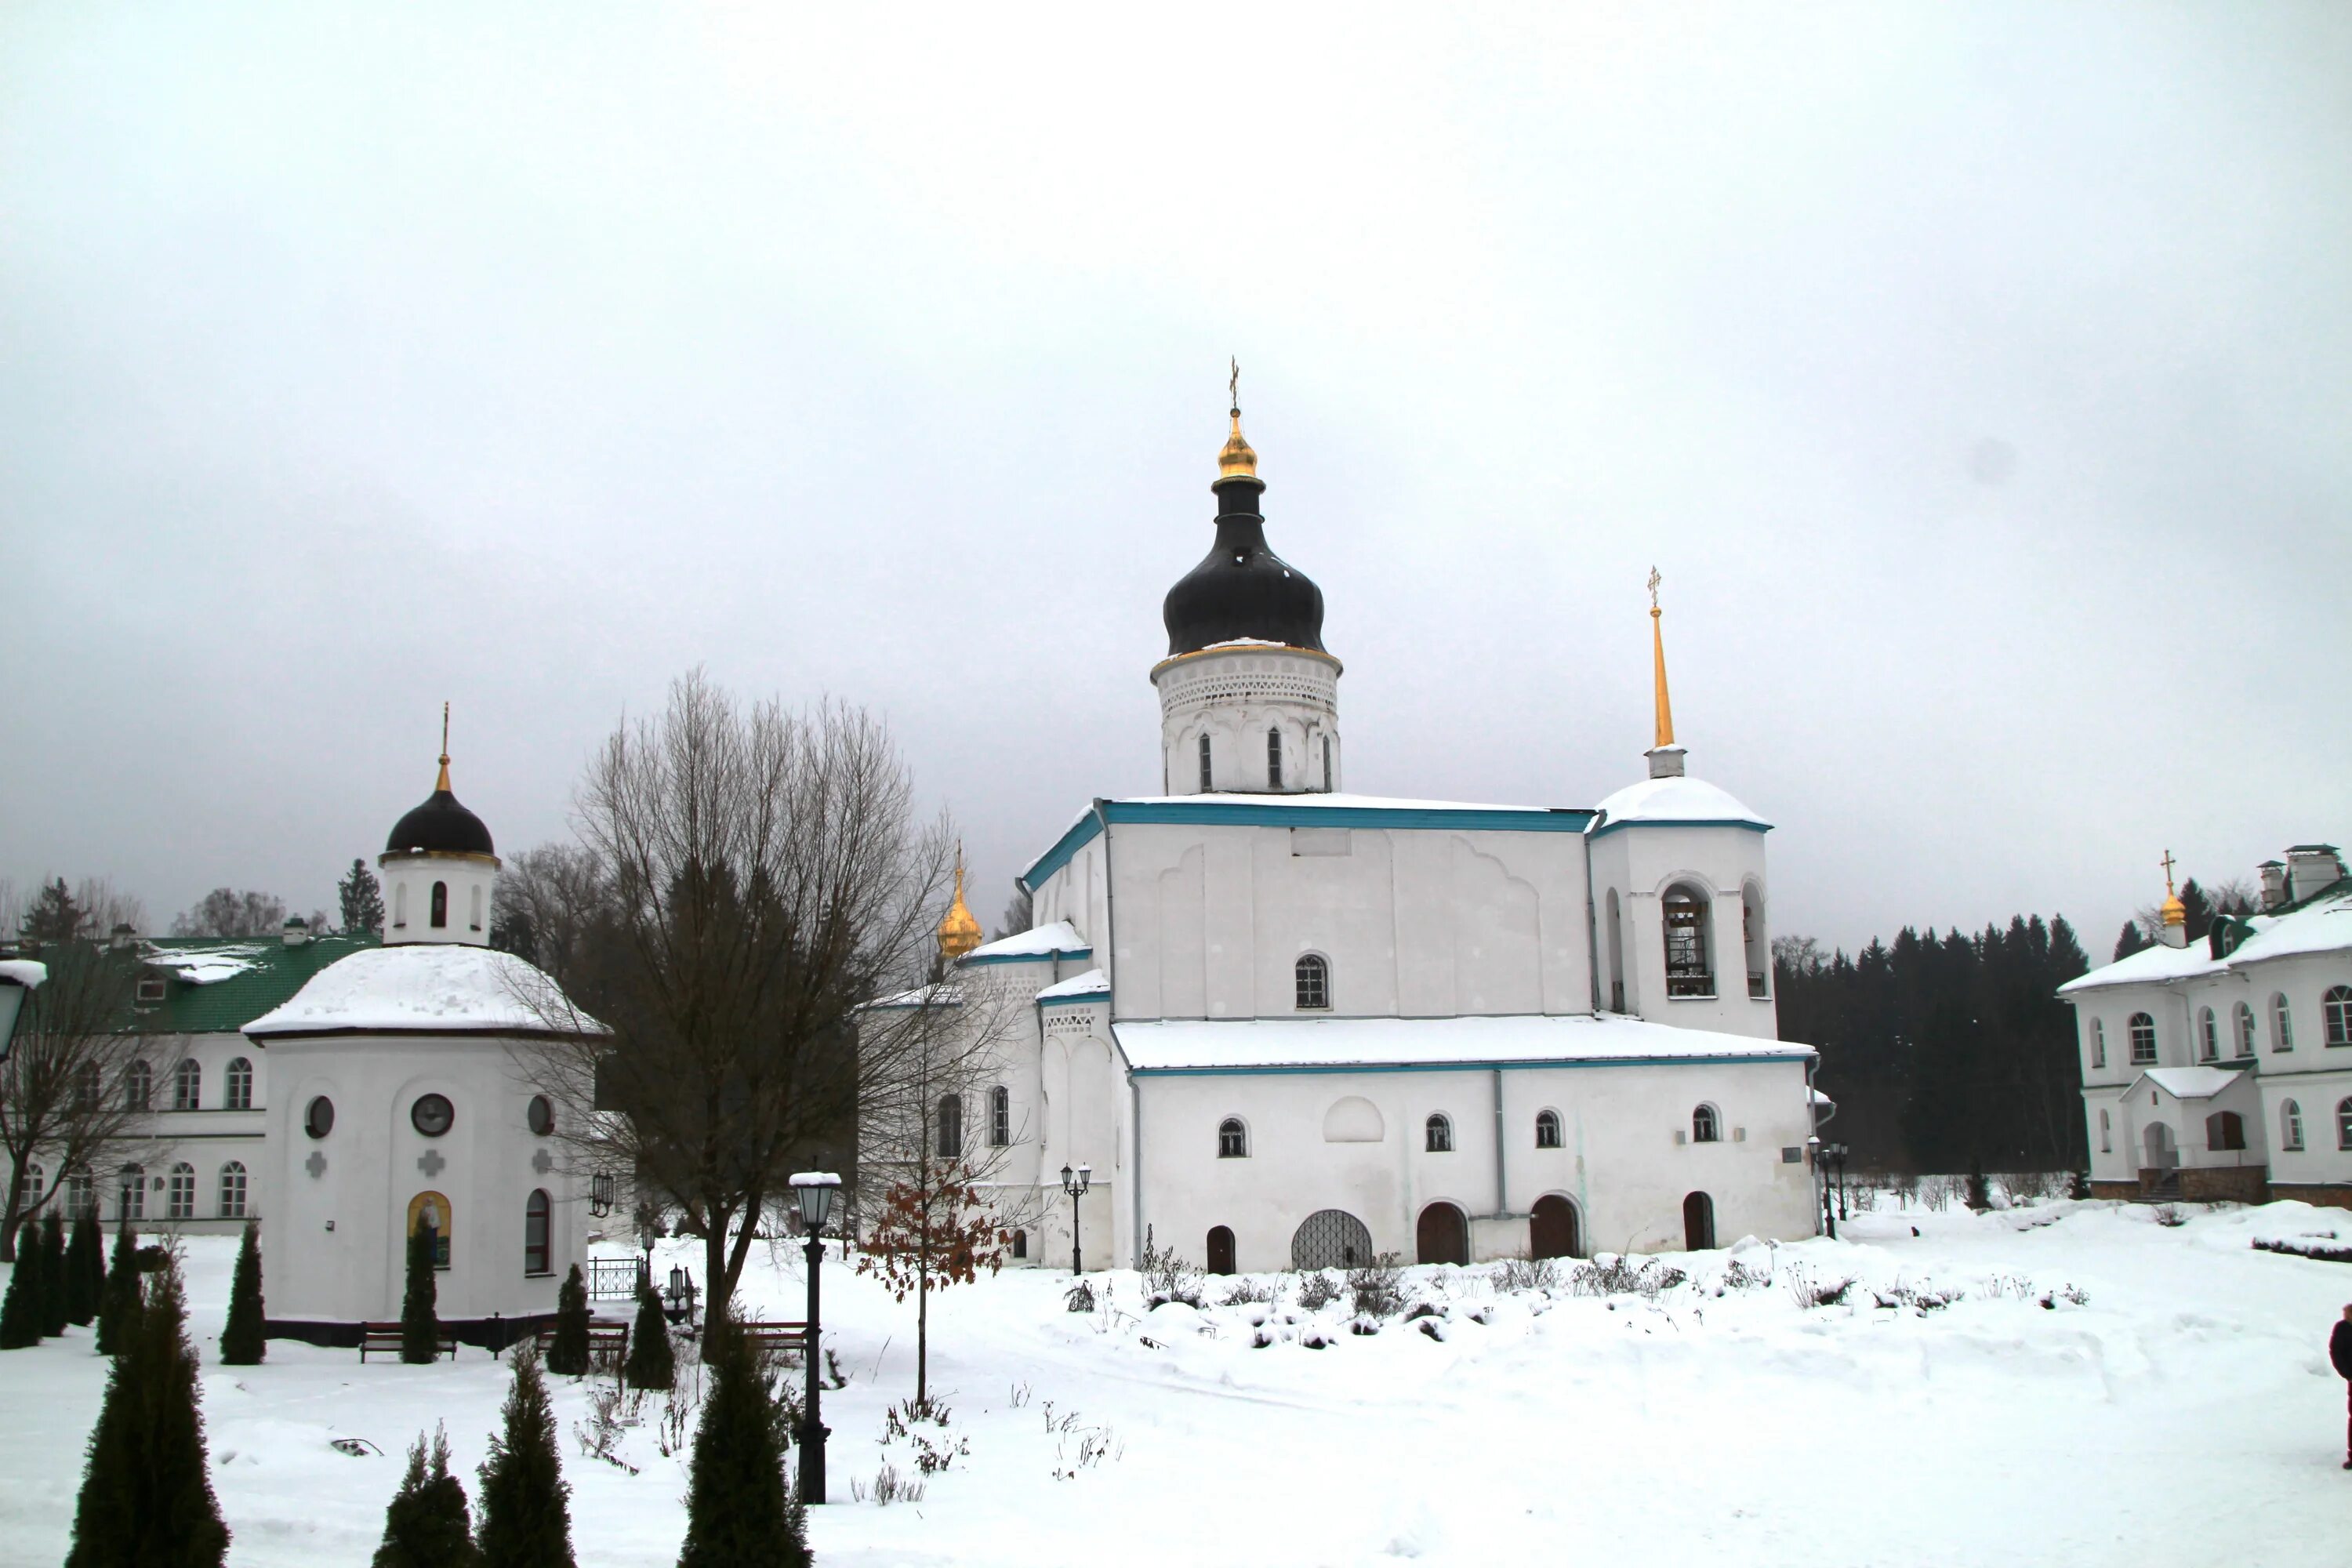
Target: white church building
1288	1025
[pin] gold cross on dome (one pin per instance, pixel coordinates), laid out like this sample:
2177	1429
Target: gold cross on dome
2168	873
1234	386
1654	581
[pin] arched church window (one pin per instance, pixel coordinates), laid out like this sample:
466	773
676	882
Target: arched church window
399	904
1274	759
2208	1040
187	1084
1326	764
440	905
232	1190
1689	970
951	1136
1000	1117
1233	1138
1020	1244
2142	1030
1312	977
2290	1126
1705	1126
1437	1134
1204	764
236	1085
2344	1124
2245	1029
2107	1140
2098	1044
1546	1128
180	1193
534	1234
2336	1013
134	1192
1754	941
1616	956
138	1085
2282	1024
476	898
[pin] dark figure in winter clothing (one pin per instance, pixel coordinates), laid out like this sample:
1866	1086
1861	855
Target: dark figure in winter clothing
2339	1351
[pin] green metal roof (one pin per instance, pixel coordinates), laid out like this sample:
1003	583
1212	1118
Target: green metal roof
242	978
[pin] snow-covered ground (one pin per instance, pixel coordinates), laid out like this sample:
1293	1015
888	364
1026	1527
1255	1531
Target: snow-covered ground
2184	1413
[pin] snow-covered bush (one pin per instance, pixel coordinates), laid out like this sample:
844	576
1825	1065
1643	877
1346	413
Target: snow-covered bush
1248	1292
2168	1215
1613	1274
1168	1278
1080	1297
1377	1289
1529	1273
1809	1292
1318	1291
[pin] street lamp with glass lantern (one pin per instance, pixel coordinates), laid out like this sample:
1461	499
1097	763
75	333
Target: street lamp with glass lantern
815	1190
1076	1183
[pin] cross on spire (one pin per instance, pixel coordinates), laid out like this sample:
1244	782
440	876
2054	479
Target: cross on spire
2167	874
1234	388
1654	581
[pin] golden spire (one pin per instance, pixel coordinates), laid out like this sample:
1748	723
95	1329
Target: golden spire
1236	460
442	787
1658	659
959	932
2176	913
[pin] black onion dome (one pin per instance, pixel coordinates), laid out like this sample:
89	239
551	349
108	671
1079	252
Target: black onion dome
1242	589
440	825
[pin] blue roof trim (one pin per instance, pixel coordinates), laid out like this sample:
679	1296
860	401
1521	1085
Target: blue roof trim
1086	1000
1606	828
1237	814
1024	957
1799	1054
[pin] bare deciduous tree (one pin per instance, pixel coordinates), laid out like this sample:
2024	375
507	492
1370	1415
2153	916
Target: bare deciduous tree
229	912
765	875
1020	912
61	1094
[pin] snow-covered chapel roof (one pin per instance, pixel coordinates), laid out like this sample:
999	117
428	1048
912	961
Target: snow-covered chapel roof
2322	924
1678	801
427	988
1308	1045
1055	939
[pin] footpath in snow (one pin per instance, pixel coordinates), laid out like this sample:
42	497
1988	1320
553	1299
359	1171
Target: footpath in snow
2067	1383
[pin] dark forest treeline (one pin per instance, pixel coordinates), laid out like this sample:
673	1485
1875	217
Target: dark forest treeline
1944	1053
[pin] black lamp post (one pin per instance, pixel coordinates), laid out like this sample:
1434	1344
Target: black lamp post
815	1191
1832	1162
1820	1152
1076	1183
677	1302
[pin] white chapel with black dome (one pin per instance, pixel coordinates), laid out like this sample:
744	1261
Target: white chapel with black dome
1289	1026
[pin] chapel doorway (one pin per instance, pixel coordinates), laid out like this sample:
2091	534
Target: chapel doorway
1330	1238
2162	1154
1698	1223
1551	1227
1220	1249
1442	1235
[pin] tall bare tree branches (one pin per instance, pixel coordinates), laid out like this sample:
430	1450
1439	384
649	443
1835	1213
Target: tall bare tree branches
61	1093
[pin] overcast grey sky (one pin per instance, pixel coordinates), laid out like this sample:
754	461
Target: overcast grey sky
1980	378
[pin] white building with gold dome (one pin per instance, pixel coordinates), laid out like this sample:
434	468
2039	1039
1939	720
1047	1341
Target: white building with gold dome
1289	1026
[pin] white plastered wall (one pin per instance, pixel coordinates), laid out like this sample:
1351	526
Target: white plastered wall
1640	862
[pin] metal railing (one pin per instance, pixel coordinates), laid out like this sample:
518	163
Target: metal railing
1690	984
615	1279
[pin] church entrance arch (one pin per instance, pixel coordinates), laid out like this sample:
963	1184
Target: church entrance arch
1551	1227
1698	1223
2163	1154
1220	1249
1330	1238
1442	1235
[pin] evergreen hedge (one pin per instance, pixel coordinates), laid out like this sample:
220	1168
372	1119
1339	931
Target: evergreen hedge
85	1272
525	1517
146	1496
567	1355
426	1525
739	1511
53	1274
420	1327
651	1363
26	1303
246	1340
118	1301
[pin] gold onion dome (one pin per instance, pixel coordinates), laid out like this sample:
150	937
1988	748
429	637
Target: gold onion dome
958	931
1236	461
2176	913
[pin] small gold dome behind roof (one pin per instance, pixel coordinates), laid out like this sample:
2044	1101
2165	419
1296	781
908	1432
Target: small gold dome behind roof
1236	461
2176	913
958	931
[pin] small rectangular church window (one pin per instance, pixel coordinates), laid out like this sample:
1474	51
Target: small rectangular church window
1792	1154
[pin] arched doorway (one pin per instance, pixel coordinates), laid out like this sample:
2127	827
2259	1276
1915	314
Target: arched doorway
1442	1235
1551	1227
1698	1222
1330	1238
1220	1249
2162	1153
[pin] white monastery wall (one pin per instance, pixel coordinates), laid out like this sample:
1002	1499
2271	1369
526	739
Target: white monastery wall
1639	864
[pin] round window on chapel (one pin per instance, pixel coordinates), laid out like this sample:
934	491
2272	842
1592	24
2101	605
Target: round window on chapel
431	1114
319	1119
541	1115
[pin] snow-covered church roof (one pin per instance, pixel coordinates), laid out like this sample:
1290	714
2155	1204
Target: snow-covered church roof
2321	924
1247	1045
1052	939
1679	800
427	987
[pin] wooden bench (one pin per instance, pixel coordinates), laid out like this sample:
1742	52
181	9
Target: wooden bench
386	1339
777	1339
608	1343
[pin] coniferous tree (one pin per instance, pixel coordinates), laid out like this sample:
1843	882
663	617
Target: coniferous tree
2199	906
54	1288
146	1494
739	1511
525	1517
245	1341
567	1355
427	1525
2129	941
85	1272
1979	1194
651	1363
362	901
27	1304
420	1326
117	1306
